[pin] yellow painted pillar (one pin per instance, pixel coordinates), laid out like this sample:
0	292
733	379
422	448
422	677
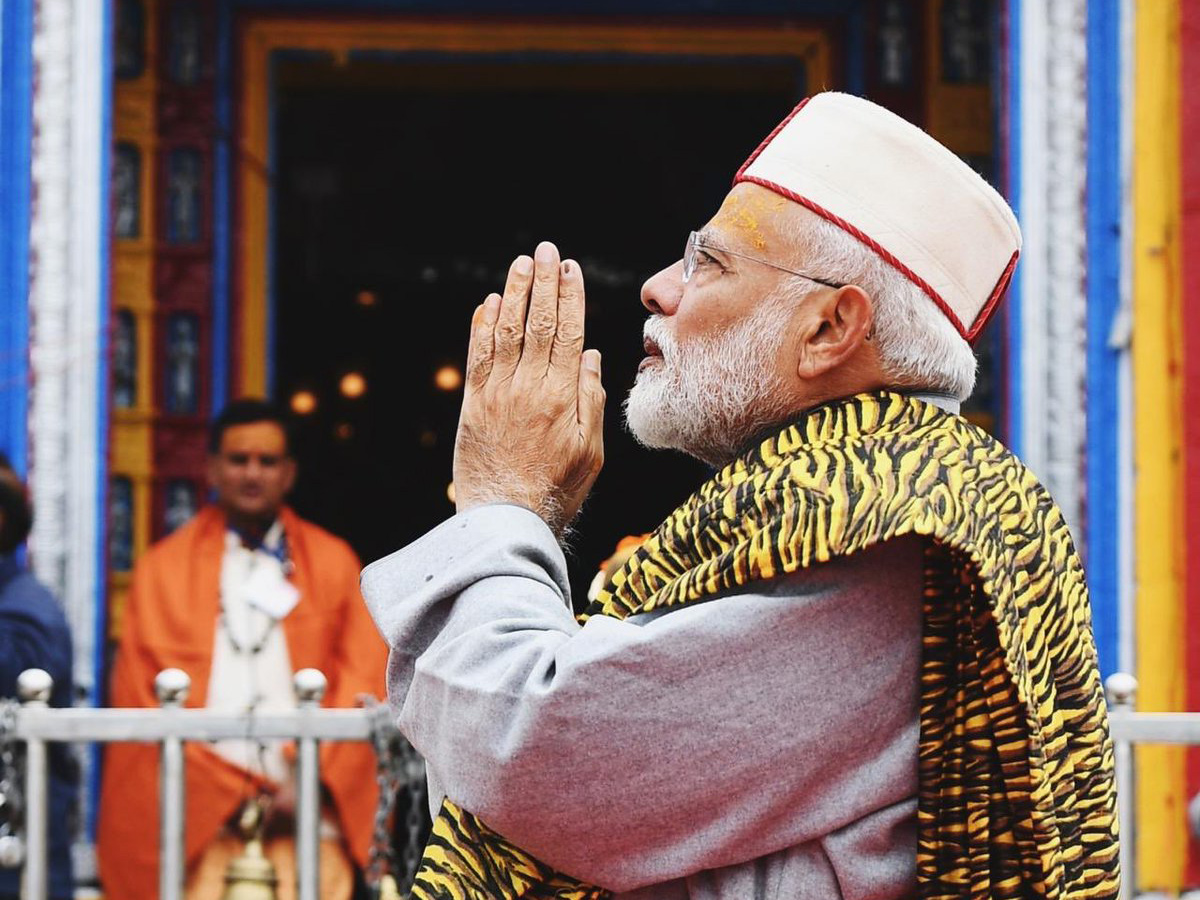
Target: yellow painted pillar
255	198
1161	788
131	440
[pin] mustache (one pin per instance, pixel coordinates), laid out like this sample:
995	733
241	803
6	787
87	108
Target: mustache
655	329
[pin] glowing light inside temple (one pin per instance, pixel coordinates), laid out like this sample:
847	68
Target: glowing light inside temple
304	402
448	378
366	298
343	431
353	385
450	492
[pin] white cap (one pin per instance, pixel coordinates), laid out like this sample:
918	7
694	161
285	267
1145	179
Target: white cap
900	192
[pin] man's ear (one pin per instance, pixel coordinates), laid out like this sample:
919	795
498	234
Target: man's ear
211	470
834	324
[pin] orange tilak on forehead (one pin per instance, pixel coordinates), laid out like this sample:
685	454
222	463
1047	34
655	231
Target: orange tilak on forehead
744	213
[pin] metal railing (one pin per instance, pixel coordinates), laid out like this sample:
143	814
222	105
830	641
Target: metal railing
1130	728
36	725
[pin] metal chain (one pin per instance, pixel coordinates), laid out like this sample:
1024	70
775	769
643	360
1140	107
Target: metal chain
398	765
12	800
381	860
417	821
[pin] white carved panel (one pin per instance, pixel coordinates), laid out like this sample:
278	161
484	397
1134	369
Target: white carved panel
67	314
1053	270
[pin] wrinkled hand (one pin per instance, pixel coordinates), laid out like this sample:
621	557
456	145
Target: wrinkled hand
531	428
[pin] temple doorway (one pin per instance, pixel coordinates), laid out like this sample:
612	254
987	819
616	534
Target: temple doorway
300	198
402	191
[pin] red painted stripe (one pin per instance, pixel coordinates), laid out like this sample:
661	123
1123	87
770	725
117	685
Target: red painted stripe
1189	256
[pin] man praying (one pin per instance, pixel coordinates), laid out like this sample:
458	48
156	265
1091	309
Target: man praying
856	663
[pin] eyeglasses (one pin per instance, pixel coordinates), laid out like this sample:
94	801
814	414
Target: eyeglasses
695	247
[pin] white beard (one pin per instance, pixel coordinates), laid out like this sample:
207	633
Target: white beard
709	397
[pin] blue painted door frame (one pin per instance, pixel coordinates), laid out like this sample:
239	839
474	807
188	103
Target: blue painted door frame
1103	302
16	138
1104	224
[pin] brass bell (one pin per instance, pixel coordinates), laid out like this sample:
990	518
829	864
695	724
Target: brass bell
250	876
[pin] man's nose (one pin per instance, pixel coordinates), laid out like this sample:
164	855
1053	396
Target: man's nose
662	291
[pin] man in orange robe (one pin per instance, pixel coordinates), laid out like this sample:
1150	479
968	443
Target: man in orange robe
177	615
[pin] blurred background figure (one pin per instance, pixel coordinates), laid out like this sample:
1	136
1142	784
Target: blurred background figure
240	598
34	635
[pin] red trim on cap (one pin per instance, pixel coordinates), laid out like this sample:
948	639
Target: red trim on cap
767	140
993	301
870	242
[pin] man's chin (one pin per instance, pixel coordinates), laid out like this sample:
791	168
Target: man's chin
648	418
658	425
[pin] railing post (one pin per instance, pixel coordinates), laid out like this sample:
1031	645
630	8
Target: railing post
33	689
310	685
171	686
1120	689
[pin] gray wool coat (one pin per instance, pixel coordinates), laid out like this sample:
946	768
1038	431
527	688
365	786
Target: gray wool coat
759	746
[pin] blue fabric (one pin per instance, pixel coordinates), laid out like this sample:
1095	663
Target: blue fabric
34	634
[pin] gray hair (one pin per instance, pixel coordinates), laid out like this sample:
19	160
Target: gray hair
917	346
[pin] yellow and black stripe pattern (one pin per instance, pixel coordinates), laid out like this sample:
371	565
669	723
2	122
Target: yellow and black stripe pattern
1016	792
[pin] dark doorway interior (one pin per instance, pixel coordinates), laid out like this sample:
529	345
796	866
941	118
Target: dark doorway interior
404	189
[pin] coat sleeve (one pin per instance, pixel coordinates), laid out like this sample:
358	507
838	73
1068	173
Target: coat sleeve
628	753
358	666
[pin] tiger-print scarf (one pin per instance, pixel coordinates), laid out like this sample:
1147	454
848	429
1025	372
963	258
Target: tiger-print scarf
1016	794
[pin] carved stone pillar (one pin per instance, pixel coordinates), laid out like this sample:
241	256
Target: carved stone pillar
1053	167
67	311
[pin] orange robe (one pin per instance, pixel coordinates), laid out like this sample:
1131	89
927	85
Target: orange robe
171	620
